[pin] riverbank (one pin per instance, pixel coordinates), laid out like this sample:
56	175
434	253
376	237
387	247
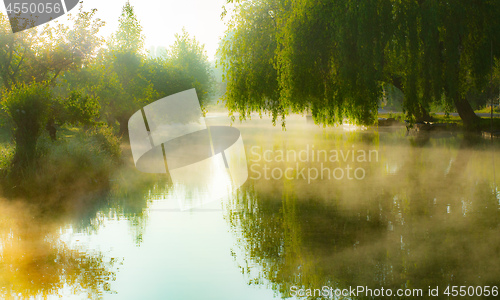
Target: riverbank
79	163
453	121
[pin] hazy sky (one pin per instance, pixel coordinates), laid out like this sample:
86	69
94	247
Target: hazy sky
161	19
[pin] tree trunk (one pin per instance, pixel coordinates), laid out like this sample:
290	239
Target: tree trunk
123	126
51	128
466	113
423	115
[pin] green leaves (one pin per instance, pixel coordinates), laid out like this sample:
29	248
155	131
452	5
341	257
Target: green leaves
45	54
333	57
129	37
247	56
28	106
189	56
80	109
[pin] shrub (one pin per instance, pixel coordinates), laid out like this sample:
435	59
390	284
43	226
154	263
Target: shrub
27	105
106	140
72	167
79	109
6	154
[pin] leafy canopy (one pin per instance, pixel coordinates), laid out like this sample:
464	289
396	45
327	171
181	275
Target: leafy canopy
334	58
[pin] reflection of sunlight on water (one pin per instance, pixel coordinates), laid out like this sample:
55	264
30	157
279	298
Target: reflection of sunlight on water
38	261
449	167
217	186
497	193
391	168
201	184
466	206
419	221
177	249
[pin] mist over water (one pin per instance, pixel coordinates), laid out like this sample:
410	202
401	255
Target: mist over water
425	213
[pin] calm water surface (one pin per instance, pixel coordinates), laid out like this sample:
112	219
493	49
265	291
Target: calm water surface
409	211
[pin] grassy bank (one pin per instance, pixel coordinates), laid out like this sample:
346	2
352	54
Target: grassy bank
79	163
484	124
487	110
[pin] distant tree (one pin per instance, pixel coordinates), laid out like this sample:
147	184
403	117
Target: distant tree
166	77
31	64
129	36
126	90
124	78
189	55
45	54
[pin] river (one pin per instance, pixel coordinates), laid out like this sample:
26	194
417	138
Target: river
324	209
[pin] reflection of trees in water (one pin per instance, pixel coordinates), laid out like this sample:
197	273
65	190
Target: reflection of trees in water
434	222
130	196
35	263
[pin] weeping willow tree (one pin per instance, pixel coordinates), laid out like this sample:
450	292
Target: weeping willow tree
334	57
330	58
247	56
445	49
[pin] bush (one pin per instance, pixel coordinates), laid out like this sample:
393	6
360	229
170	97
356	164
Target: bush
28	107
6	155
79	109
106	140
487	109
73	167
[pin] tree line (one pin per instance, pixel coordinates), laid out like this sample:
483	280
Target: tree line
69	74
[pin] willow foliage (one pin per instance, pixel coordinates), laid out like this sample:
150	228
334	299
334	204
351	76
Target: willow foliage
334	57
248	59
